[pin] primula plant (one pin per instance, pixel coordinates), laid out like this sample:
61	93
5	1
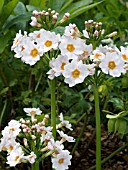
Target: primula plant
76	56
32	141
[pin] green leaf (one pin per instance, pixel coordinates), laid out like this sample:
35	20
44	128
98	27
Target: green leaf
4	41
122	126
82	10
39	3
4	90
7	10
66	5
117	103
1	4
117	124
59	30
31	8
17	19
56	4
20	8
111	125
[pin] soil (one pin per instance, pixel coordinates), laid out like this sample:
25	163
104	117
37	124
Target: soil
85	154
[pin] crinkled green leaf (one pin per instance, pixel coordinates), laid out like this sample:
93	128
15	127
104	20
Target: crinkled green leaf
111	125
17	19
1	4
8	9
4	41
20	8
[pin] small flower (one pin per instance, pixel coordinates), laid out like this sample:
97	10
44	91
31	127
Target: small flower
62	160
85	34
32	112
72	30
64	122
15	156
75	72
97	55
124	53
31	158
112	64
12	129
71	47
66	137
48	40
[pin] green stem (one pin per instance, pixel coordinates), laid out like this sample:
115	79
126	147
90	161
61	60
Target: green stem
80	135
111	155
3	110
35	166
98	131
53	108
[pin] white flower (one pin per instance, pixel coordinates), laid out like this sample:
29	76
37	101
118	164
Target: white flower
87	49
34	22
62	160
64	122
48	40
75	72
72	30
17	39
12	129
124	53
85	34
91	68
32	112
31	52
58	64
31	158
66	137
54	145
97	56
15	156
71	47
112	64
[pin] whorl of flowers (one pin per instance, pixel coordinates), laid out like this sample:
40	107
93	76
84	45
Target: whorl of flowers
76	58
28	140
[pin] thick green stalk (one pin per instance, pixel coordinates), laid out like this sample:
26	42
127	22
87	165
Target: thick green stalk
35	166
98	131
53	108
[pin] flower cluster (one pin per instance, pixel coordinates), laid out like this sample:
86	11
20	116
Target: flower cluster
36	140
76	58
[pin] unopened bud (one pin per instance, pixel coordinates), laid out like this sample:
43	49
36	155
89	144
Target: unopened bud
25	142
33	137
112	34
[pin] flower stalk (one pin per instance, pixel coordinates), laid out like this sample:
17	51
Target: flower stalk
53	108
98	131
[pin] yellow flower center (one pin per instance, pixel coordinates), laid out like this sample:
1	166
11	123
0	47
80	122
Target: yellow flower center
61	161
111	65
22	48
76	73
16	158
34	52
48	43
11	148
62	65
97	55
70	47
32	112
125	57
12	129
3	148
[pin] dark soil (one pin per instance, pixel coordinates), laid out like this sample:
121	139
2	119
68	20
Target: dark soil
85	154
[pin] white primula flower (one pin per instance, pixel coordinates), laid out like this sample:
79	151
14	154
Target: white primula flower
85	34
34	22
64	122
62	160
58	64
124	53
12	129
75	72
87	49
97	56
53	145
91	68
17	39
112	64
65	137
48	40
15	156
31	53
72	30
31	158
71	47
32	112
